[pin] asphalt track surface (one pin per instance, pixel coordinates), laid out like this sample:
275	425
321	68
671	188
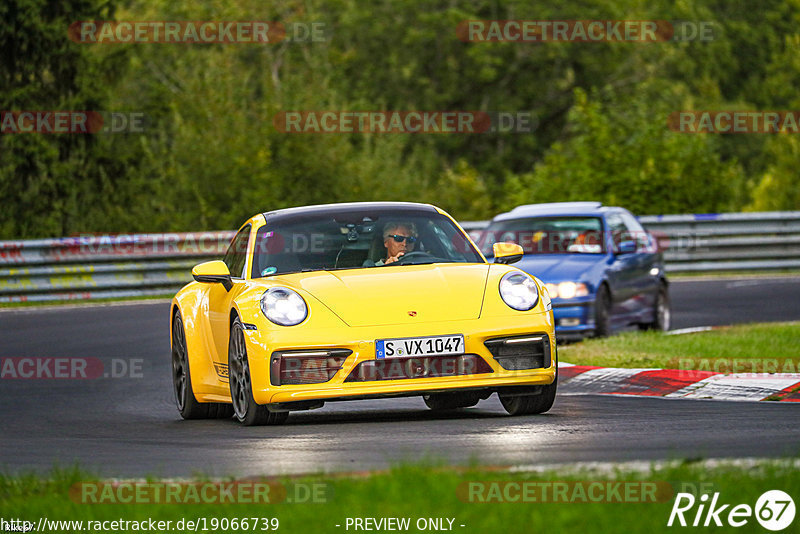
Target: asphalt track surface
130	427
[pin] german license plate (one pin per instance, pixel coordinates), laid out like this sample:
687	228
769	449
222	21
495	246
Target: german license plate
419	346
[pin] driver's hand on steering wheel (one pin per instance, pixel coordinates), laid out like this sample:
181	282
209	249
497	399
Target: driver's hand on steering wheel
393	258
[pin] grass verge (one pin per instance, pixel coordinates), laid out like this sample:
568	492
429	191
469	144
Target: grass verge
752	348
513	501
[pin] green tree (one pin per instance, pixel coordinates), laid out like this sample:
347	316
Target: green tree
50	184
778	187
211	156
627	156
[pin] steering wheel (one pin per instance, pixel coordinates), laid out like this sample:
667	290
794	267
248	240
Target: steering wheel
411	255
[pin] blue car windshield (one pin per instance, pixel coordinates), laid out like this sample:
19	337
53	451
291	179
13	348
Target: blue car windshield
355	239
547	235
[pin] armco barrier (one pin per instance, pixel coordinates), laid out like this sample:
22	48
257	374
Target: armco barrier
103	266
729	241
113	266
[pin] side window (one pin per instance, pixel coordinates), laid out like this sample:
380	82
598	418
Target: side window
636	232
444	246
236	256
617	228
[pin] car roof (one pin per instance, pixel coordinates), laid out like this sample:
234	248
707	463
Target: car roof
566	209
333	209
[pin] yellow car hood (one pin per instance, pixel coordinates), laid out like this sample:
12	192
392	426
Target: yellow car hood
400	294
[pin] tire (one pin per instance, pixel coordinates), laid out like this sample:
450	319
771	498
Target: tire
662	312
245	408
531	404
451	401
602	312
187	404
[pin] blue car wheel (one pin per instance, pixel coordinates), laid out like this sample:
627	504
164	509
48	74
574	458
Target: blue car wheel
602	312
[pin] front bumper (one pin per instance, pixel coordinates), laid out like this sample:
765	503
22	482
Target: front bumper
361	341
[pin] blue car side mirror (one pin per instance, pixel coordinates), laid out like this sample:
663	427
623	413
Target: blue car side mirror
626	247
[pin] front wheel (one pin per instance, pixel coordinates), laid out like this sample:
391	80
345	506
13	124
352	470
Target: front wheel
662	313
245	408
188	406
602	312
530	404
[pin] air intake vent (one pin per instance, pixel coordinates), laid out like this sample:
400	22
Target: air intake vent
305	367
520	353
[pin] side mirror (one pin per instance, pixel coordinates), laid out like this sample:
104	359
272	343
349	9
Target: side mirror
213	272
507	253
626	247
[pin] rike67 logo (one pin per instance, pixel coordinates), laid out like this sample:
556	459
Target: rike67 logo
774	510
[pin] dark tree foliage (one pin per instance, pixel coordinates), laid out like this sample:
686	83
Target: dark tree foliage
210	155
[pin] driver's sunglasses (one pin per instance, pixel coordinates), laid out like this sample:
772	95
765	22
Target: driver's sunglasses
400	238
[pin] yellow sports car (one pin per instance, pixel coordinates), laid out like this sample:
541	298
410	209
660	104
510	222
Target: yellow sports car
359	301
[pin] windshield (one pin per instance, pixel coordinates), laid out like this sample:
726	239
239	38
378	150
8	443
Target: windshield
547	235
354	239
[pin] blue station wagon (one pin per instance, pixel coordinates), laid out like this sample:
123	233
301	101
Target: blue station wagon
603	271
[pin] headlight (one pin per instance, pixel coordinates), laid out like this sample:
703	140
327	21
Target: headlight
283	306
519	291
567	290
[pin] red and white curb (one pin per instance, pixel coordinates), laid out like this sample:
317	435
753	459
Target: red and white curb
676	383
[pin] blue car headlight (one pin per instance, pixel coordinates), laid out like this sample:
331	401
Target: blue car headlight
283	306
568	290
519	291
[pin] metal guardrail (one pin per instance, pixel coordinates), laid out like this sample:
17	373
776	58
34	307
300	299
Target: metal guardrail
114	266
728	241
103	266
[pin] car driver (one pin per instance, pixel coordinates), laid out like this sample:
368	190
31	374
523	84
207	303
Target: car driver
398	238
